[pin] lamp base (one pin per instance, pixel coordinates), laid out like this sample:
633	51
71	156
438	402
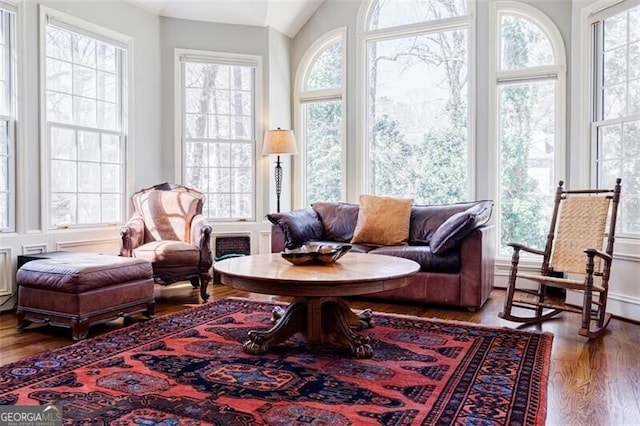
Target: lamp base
278	177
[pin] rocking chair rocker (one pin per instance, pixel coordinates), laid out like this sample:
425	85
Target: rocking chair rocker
579	244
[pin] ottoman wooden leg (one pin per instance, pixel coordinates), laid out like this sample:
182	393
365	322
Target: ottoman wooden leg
151	310
79	328
22	323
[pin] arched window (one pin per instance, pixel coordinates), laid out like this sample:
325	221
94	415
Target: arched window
415	99
320	113
530	108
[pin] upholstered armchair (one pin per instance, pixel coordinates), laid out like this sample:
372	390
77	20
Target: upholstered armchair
168	229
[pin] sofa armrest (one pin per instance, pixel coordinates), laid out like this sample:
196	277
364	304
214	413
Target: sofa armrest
277	239
132	235
477	269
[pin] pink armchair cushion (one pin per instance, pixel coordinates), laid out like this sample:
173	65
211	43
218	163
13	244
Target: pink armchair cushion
168	253
168	214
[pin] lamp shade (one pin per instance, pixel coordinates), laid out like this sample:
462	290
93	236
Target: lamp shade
279	141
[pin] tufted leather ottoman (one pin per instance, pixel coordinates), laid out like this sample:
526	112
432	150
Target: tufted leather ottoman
80	291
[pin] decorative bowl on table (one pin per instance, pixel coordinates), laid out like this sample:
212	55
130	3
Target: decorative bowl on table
315	253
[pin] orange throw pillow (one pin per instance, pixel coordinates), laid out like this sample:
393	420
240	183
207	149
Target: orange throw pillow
383	221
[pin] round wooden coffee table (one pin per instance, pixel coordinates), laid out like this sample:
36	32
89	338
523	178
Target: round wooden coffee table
318	312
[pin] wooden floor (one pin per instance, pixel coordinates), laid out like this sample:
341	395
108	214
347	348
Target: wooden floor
591	382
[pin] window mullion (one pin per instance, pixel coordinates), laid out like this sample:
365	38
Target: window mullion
320	95
526	79
597	66
419	28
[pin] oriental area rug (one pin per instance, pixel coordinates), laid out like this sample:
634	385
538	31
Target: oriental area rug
188	368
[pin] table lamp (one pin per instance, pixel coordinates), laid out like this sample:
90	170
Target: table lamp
279	142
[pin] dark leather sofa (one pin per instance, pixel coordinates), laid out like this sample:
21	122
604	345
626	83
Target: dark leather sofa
453	244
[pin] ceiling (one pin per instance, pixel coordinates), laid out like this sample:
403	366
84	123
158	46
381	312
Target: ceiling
286	16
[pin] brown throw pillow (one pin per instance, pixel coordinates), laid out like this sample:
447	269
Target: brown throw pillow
382	221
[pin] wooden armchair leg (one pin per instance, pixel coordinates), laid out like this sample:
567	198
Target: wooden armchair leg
204	283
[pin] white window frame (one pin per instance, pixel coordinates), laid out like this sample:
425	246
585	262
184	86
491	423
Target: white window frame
364	36
302	96
221	58
10	117
602	10
81	26
498	77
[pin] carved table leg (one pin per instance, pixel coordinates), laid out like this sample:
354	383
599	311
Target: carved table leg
319	320
277	313
361	321
338	320
292	321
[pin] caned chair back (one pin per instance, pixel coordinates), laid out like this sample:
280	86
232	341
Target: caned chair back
582	224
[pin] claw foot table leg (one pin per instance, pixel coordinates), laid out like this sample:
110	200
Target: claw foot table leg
287	323
339	320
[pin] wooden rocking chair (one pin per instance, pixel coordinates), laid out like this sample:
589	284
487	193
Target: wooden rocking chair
579	244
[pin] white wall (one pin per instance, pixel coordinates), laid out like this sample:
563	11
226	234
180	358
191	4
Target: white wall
279	115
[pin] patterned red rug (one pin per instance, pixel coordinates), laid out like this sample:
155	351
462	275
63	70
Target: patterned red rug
189	369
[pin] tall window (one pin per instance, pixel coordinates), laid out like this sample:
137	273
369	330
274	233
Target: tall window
616	108
320	92
7	121
530	83
85	130
416	99
218	133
